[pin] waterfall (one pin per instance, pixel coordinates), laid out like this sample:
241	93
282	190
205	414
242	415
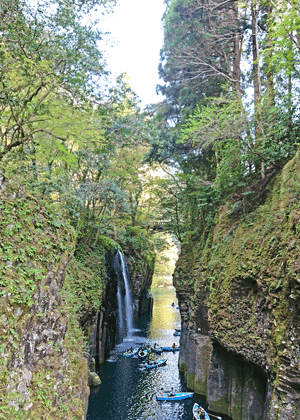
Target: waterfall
124	297
120	309
128	300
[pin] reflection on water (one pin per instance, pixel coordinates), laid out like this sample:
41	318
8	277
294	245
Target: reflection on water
128	389
165	317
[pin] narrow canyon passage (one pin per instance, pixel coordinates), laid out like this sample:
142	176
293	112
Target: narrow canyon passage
128	389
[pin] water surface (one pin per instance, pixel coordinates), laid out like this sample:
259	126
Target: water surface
128	389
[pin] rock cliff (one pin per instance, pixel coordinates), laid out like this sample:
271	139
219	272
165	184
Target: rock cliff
58	308
239	296
141	269
43	373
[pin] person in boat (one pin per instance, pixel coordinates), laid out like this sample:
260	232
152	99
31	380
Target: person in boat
201	413
173	346
131	349
155	362
172	393
161	392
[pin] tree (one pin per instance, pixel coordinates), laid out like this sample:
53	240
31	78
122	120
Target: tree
48	60
202	51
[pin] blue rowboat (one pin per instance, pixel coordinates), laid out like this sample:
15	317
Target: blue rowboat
197	410
130	353
153	365
177	397
156	350
168	348
176	333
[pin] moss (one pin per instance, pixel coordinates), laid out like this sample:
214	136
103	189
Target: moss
200	387
86	278
236	409
48	380
190	380
219	405
246	274
182	366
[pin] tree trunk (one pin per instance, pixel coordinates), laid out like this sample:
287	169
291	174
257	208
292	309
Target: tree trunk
255	52
270	91
236	67
256	78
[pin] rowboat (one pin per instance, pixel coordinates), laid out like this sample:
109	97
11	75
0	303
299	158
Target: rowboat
156	350
156	364
177	397
197	410
170	348
130	353
143	354
176	333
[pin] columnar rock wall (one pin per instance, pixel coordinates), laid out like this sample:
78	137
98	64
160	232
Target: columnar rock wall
52	300
43	372
101	325
239	296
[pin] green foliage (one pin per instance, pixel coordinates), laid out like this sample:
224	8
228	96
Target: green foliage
284	28
44	79
86	278
221	127
108	243
278	134
216	141
61	133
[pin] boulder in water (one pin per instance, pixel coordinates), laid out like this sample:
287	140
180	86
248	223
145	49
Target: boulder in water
94	379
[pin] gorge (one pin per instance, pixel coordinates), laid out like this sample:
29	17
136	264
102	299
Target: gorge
89	180
238	293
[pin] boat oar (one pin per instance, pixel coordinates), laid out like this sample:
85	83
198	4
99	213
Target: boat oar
166	399
217	417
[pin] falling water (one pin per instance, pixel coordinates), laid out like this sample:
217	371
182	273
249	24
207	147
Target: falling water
120	309
127	300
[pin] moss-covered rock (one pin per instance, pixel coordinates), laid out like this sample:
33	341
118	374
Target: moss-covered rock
43	372
242	287
58	307
91	286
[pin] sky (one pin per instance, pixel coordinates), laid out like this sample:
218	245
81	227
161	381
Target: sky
135	26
